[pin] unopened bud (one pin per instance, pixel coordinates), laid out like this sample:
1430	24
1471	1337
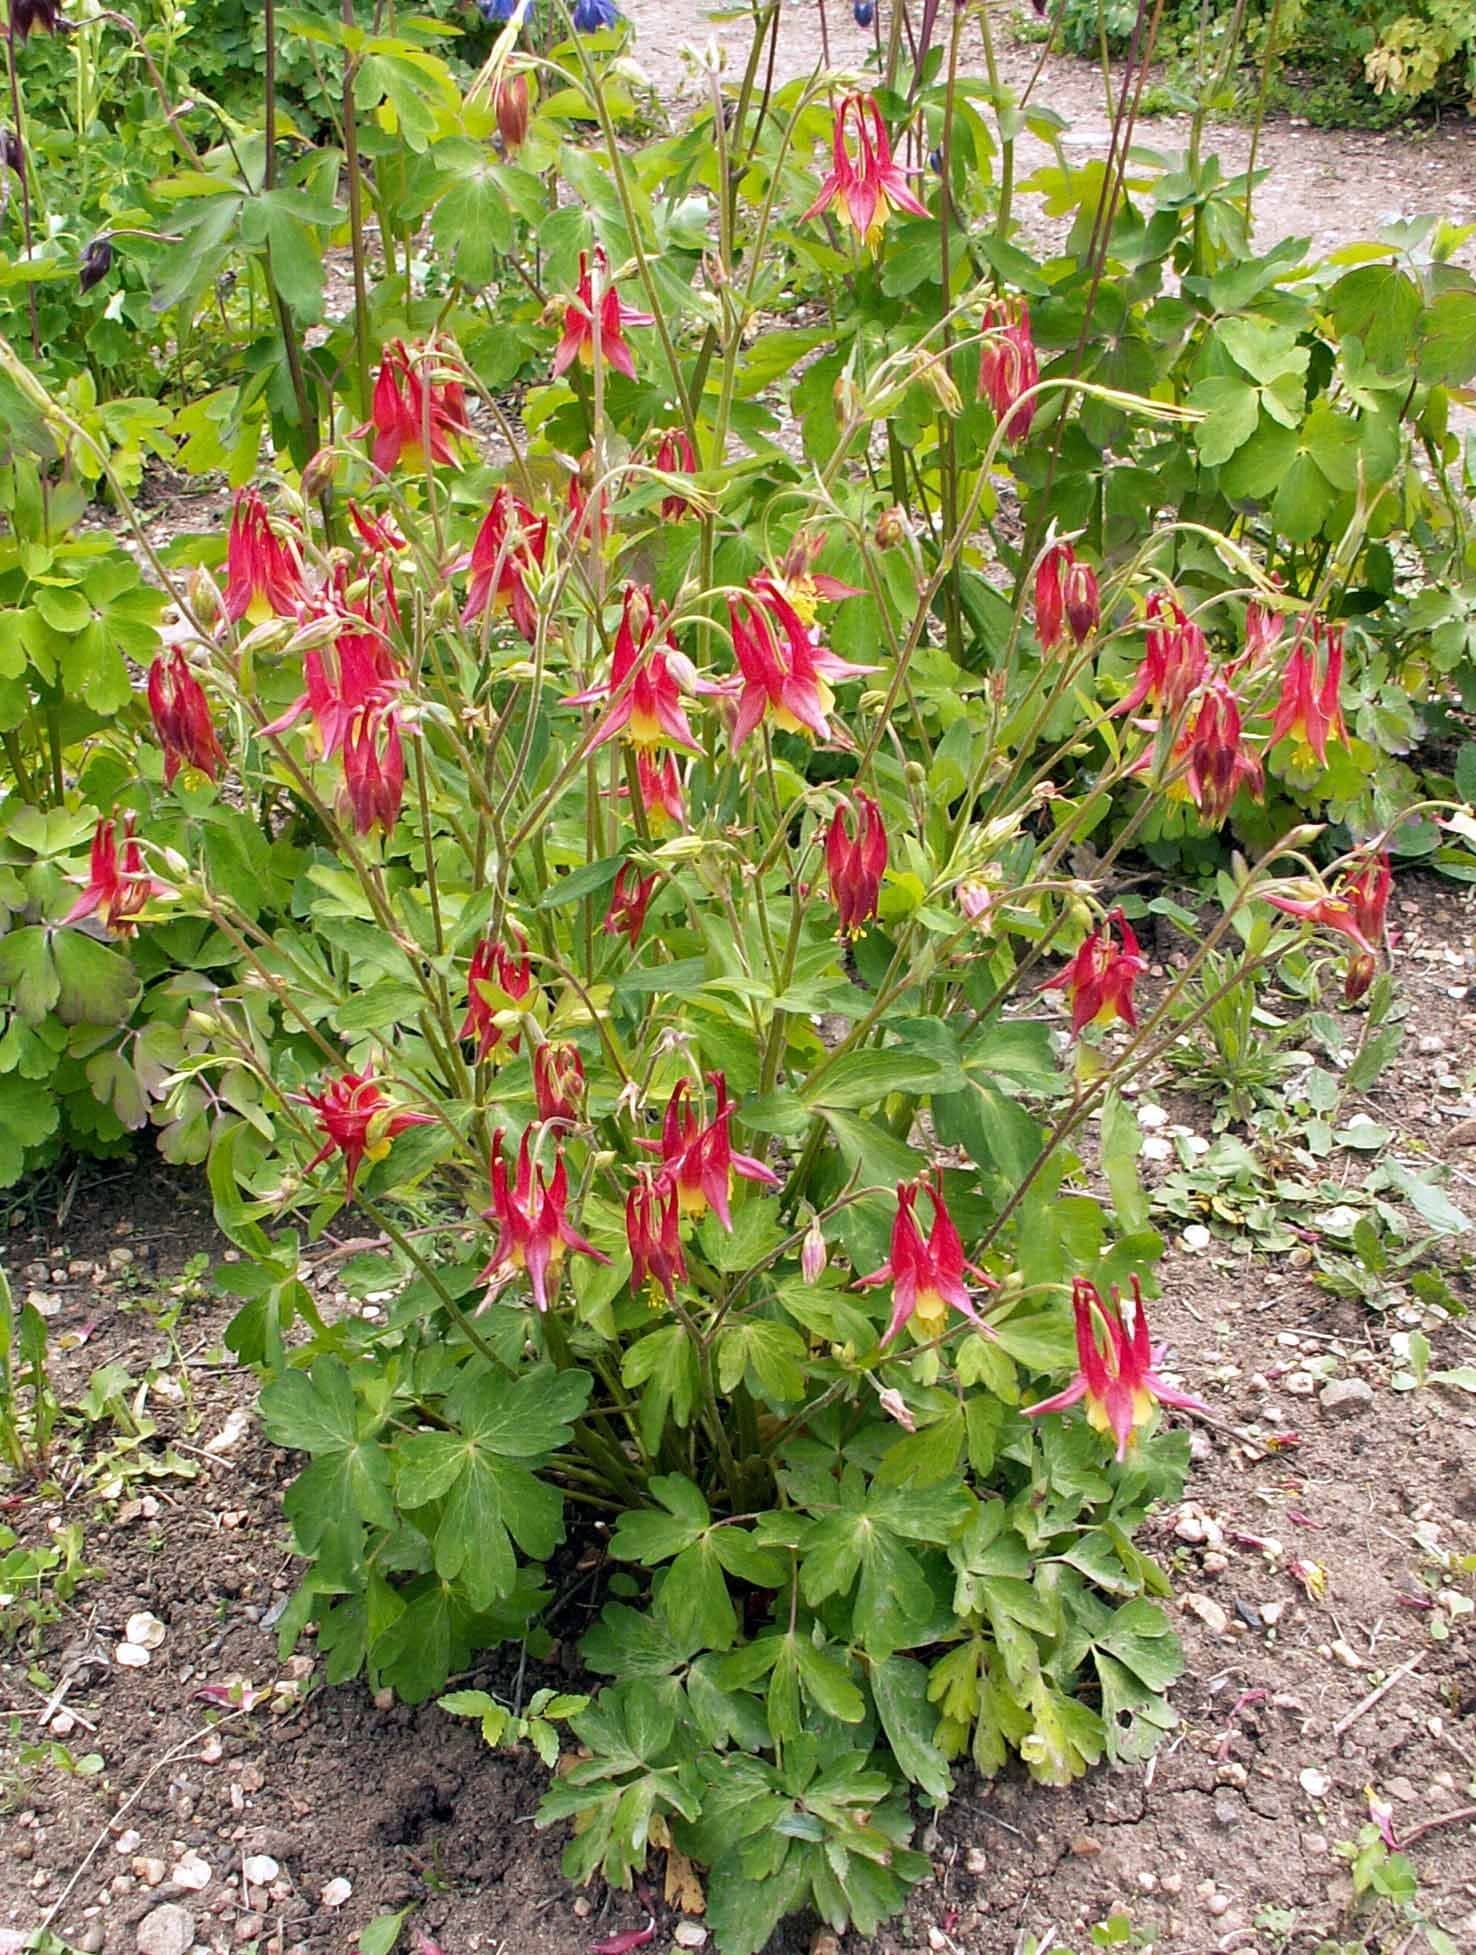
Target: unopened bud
638	611
12	156
849	403
204	596
891	528
915	774
318	474
895	1407
813	1256
976	900
97	262
683	671
714	271
511	104
442	607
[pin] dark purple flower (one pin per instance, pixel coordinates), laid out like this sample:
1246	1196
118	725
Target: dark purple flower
97	262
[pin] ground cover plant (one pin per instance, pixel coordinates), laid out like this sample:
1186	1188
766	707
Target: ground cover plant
625	838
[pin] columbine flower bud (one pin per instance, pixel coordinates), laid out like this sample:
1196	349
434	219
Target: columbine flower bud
318	474
97	262
895	1407
12	156
891	528
849	401
510	100
813	1255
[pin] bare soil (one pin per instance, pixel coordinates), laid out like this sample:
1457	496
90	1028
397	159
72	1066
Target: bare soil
1241	1811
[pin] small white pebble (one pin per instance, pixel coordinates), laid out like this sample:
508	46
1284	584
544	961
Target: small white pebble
336	1892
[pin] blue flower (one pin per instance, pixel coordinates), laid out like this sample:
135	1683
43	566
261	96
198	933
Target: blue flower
592	14
496	12
865	12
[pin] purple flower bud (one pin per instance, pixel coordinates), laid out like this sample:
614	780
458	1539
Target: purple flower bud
29	17
865	12
813	1257
97	261
12	156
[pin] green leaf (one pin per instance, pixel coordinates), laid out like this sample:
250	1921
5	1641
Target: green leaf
770	1356
1121	1140
28	970
899	1689
473	224
1380	305
1231	410
694	1598
861	1079
96	984
383	1933
1448	339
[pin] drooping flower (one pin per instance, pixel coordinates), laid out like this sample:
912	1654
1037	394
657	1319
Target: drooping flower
181	716
786	672
975	899
591	323
653	1231
12	151
511	544
1009	366
380	534
660	785
863	12
1175	662
699	1159
855	864
496	967
558	1081
813	1253
1099	979
1309	712
1120	1382
926	1274
413	416
1215	756
629	900
590	522
647	701
1263	632
590	15
675	456
532	1221
1065	595
497	13
264	575
97	262
1357	907
118	886
29	17
864	180
358	1120
356	672
373	772
510	105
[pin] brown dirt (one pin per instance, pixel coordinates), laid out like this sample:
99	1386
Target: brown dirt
407	1806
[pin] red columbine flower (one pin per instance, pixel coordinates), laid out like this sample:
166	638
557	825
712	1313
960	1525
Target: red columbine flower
1308	713
786	671
676	456
380	534
264	575
660	785
800	584
359	1121
1174	664
118	886
1216	760
558	1082
1121	1385
373	772
411	415
1008	365
1065	591
496	967
511	543
589	325
1357	908
510	103
1263	630
629	900
1100	977
699	1160
864	180
181	716
647	706
356	673
856	864
926	1275
532	1223
653	1230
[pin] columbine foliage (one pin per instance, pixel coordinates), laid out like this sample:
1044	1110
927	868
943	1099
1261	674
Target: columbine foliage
629	861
